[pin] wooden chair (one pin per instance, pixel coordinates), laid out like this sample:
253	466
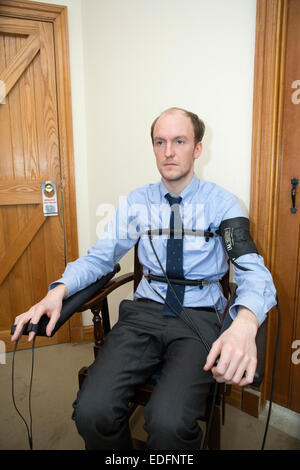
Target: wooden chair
98	305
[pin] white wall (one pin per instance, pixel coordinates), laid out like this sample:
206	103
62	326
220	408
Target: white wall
130	60
143	56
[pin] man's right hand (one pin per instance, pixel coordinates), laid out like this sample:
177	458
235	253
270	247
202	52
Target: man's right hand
50	305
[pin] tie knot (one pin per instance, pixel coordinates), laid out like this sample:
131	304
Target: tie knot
173	199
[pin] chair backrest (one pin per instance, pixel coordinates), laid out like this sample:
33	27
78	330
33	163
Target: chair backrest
138	268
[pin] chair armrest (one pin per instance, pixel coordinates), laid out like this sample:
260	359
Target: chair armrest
73	303
108	288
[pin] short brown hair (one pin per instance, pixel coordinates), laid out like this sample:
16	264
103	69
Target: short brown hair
198	124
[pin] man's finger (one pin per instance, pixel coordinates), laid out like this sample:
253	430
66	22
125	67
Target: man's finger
35	318
52	322
31	336
249	374
229	364
212	356
18	331
20	324
237	372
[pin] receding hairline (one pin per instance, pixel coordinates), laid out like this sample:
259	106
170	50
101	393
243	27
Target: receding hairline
171	111
191	116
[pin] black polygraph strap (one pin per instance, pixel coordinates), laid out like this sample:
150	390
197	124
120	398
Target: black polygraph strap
186	282
33	327
183	232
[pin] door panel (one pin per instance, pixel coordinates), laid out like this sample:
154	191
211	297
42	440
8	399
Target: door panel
286	266
275	161
32	250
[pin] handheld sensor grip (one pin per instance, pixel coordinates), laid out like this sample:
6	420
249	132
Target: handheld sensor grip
69	307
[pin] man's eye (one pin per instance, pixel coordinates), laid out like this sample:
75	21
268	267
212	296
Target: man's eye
159	143
180	141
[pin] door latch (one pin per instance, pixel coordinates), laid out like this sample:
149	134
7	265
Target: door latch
294	183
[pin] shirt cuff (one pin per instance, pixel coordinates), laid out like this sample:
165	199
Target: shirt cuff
66	283
253	304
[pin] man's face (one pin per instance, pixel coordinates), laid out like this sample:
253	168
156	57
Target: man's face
174	147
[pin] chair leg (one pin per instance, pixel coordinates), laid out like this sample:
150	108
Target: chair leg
98	329
139	445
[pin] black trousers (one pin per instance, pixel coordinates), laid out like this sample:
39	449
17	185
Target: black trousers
142	340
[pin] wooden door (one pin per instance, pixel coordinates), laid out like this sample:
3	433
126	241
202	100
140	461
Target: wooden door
32	246
286	265
276	161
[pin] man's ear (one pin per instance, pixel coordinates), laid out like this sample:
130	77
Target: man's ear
197	150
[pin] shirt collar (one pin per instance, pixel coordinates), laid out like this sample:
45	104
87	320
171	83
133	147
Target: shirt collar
187	192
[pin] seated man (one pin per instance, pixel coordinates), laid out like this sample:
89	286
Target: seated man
150	330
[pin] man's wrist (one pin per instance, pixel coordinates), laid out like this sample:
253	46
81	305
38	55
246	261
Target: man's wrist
248	316
60	289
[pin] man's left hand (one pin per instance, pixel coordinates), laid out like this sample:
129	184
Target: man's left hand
237	350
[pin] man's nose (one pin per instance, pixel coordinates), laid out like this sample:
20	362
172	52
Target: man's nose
169	149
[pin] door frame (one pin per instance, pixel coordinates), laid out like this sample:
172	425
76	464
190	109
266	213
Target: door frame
269	66
57	15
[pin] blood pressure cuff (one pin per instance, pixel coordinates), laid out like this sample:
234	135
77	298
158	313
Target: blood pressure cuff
236	237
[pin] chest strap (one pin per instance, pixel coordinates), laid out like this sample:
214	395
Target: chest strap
186	282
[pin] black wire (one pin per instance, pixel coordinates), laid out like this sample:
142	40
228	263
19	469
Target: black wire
273	376
29	429
209	423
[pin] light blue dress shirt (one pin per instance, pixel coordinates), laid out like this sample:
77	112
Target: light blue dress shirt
204	204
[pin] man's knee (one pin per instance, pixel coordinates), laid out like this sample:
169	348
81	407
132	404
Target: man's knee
92	415
163	423
171	427
162	426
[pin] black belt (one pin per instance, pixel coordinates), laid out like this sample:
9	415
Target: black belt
201	309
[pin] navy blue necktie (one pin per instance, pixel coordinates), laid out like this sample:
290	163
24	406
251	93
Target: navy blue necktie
174	267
